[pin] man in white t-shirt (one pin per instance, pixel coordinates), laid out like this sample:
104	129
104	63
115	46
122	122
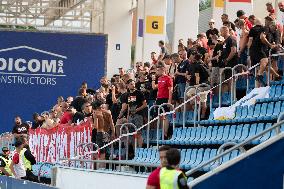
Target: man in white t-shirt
17	166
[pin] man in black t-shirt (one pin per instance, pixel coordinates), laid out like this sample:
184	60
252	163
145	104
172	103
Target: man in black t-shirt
181	74
212	33
257	45
136	102
225	18
229	55
20	128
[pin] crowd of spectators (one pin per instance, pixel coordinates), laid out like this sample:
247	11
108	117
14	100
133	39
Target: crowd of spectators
128	94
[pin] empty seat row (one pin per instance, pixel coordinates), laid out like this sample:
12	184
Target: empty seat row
190	158
254	113
152	135
276	91
216	135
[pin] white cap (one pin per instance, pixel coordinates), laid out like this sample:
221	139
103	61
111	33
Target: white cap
221	38
211	21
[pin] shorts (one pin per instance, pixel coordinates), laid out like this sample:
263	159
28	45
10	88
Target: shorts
255	58
203	96
215	76
100	141
161	101
181	89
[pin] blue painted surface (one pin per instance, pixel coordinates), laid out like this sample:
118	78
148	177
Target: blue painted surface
77	57
11	183
263	169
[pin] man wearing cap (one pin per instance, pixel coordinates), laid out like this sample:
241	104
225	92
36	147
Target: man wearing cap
212	33
5	162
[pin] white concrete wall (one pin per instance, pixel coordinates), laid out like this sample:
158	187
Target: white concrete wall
231	9
217	11
153	8
67	178
118	26
185	10
139	39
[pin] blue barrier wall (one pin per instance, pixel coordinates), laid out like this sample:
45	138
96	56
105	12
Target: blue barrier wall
262	170
36	68
11	183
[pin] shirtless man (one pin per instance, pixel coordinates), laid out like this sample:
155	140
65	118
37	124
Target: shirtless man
105	128
243	51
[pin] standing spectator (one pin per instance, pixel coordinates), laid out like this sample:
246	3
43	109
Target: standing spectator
154	178
5	162
38	121
154	58
257	45
20	128
243	50
67	114
78	102
215	75
143	85
198	74
273	36
173	65
202	40
121	72
252	18
229	53
212	32
105	128
163	51
181	74
225	18
170	176
117	100
48	122
104	85
165	90
242	15
69	100
270	10
17	165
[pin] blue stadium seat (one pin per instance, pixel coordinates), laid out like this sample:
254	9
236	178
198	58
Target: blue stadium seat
186	159
278	91
245	133
211	136
219	136
232	134
238	134
191	159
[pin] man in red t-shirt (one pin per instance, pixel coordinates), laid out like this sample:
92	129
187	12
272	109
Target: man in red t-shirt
67	115
154	178
242	15
165	90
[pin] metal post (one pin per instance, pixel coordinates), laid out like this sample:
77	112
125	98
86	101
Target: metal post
198	93
184	106
158	122
269	67
220	85
234	84
148	123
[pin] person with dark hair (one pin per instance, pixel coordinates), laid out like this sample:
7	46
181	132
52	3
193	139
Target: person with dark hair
225	18
242	15
170	176
17	165
78	102
165	91
154	58
20	128
104	128
181	74
38	121
270	9
251	18
154	178
163	51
